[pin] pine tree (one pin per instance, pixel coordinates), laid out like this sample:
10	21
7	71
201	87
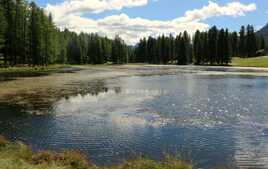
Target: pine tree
163	50
20	32
3	25
184	56
251	43
50	35
118	51
177	42
263	45
234	45
107	49
221	47
36	36
171	52
205	48
197	48
83	47
212	45
151	50
226	53
9	10
242	42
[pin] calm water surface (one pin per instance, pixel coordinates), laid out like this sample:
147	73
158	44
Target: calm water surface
209	120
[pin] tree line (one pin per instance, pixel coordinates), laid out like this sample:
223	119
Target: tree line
29	36
214	47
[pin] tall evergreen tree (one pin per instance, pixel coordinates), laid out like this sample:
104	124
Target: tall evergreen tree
184	57
35	35
20	32
226	53
251	43
221	47
197	47
3	25
263	44
234	44
9	10
212	44
118	51
242	42
205	48
151	49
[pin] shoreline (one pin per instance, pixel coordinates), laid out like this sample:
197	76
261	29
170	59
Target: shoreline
28	71
82	73
26	93
19	155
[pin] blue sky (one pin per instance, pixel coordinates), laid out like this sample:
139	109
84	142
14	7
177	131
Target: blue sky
154	10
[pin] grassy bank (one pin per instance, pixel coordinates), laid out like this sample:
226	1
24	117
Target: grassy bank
19	156
25	71
251	62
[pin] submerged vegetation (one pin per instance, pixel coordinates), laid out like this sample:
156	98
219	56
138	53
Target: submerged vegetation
19	156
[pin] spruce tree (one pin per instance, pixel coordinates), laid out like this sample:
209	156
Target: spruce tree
242	42
212	45
221	47
234	44
251	43
3	25
197	48
263	45
226	52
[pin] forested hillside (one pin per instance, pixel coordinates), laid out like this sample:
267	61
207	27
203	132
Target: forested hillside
29	36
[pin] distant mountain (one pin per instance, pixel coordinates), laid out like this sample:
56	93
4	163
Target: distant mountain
263	31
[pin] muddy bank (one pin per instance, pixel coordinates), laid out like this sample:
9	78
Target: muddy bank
36	95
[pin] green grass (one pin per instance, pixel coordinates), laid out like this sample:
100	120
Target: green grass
19	156
251	62
7	73
31	69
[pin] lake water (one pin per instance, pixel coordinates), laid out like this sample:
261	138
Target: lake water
210	120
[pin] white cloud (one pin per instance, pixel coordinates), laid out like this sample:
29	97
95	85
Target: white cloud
233	9
91	6
130	29
69	14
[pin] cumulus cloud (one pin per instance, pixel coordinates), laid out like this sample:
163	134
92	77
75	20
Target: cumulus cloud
233	9
130	29
91	6
69	14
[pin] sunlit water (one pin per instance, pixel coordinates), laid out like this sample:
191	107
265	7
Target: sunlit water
208	120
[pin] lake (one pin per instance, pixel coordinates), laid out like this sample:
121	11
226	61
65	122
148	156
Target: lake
210	120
